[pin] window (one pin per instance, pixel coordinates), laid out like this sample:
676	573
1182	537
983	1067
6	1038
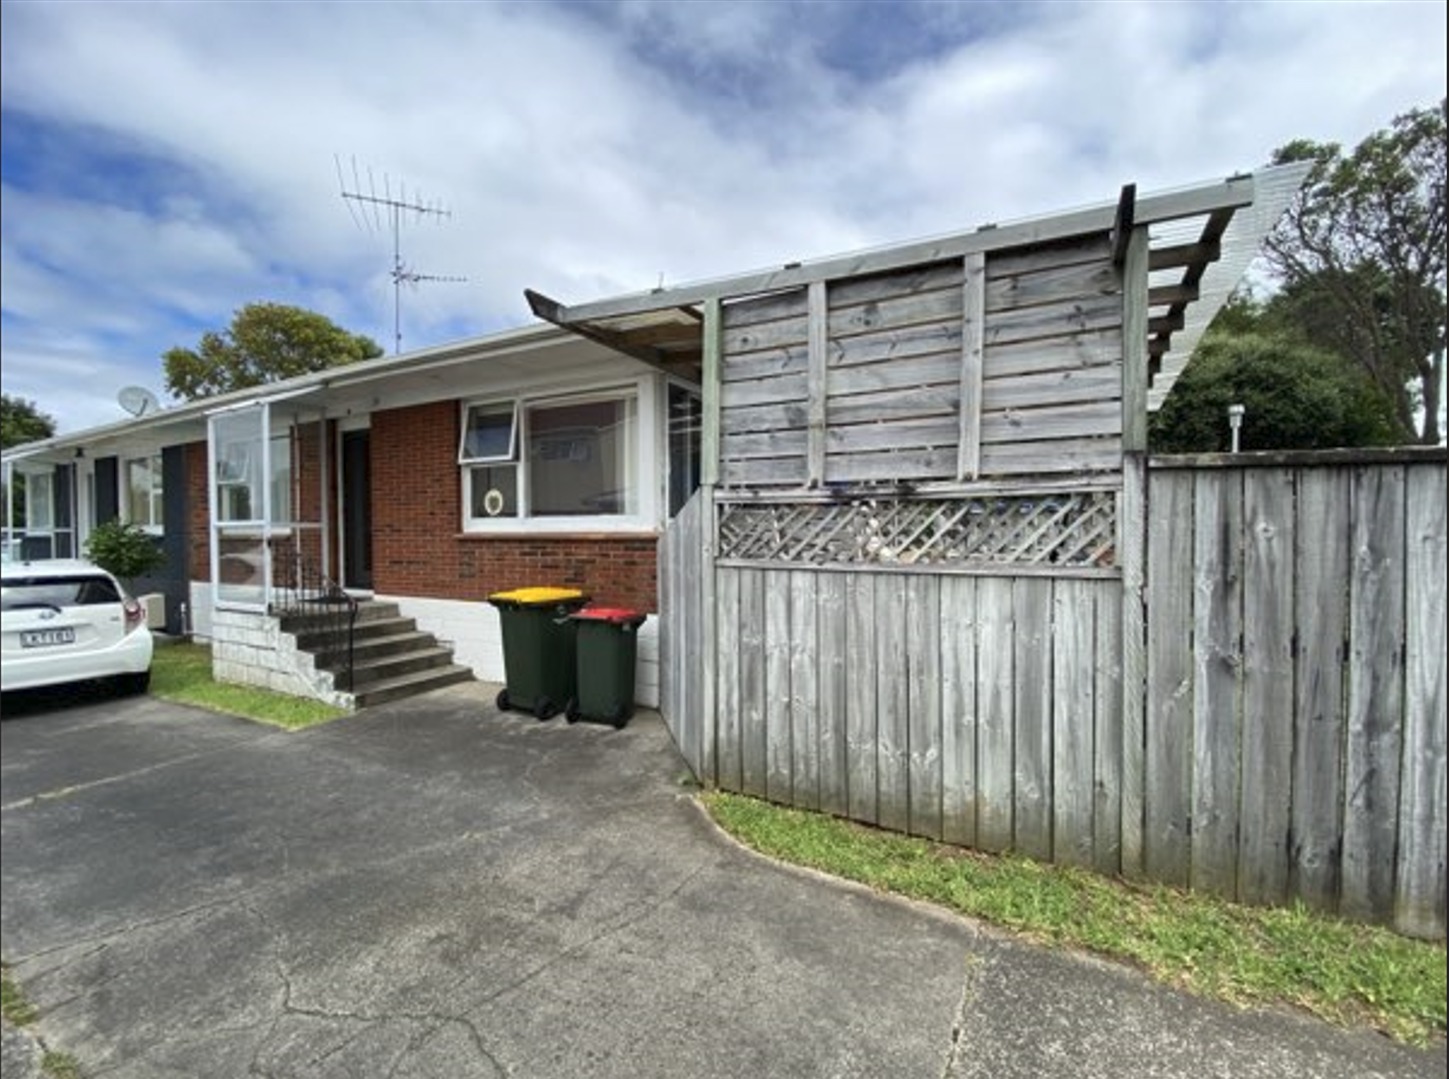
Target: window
39	501
279	457
685	413
553	460
143	492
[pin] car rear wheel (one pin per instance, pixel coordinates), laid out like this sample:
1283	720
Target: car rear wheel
133	684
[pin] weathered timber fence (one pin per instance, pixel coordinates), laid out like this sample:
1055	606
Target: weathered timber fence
1294	742
1295	733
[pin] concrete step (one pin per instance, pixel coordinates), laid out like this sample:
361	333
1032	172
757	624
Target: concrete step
334	639
334	653
382	668
409	685
368	611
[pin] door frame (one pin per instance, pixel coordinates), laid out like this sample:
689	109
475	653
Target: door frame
347	524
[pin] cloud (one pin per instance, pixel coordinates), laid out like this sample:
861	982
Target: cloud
166	163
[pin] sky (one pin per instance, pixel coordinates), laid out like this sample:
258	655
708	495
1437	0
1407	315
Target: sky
164	164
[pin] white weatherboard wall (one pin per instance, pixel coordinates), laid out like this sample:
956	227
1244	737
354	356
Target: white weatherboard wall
472	630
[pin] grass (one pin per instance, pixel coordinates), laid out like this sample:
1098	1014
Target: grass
17	1010
60	1065
1348	974
20	1012
182	673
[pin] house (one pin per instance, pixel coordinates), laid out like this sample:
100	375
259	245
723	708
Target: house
556	454
427	481
909	559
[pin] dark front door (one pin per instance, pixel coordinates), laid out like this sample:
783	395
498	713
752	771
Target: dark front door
356	511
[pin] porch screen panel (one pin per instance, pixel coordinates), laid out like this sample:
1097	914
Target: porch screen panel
240	507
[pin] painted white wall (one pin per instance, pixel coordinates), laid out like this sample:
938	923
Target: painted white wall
472	629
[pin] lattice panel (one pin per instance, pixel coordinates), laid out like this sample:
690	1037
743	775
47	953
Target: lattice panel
1058	529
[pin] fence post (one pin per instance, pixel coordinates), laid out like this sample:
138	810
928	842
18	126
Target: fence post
1132	545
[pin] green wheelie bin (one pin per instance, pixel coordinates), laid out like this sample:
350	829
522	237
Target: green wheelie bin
538	649
607	647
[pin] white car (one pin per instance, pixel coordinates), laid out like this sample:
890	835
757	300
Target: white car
66	620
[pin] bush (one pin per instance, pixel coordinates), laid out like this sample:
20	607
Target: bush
125	549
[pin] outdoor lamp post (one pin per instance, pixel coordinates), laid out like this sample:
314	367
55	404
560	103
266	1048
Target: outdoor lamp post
1235	421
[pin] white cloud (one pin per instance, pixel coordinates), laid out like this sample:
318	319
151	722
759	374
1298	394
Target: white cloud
167	163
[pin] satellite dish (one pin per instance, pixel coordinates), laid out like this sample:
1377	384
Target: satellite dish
137	400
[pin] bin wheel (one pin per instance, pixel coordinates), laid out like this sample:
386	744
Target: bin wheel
620	717
545	709
502	701
572	712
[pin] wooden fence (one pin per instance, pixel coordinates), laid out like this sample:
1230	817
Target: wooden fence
1294	735
1295	730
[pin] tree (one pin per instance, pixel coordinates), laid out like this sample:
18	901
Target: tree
1362	254
1296	397
21	421
266	342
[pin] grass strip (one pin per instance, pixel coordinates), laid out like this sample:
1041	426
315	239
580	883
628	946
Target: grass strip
181	672
17	1010
1345	973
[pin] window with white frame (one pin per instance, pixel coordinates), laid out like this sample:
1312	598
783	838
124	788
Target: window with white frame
144	499
553	460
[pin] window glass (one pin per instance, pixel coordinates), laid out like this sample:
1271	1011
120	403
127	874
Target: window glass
488	433
237	451
144	492
685	413
494	491
581	459
39	501
58	592
280	461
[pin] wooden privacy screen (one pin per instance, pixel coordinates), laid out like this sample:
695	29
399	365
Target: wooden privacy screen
998	366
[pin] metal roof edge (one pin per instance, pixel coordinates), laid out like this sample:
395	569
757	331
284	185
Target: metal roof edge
514	339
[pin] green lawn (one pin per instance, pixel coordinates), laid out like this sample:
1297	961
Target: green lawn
1345	973
182	673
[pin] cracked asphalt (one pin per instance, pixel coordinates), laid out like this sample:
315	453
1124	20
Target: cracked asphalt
431	888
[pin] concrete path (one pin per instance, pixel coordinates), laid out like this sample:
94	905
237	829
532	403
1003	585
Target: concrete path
434	889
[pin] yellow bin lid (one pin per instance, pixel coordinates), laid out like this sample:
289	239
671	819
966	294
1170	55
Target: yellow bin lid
537	597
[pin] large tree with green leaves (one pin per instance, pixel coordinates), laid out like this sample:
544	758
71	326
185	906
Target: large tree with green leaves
1296	396
266	342
1362	255
21	421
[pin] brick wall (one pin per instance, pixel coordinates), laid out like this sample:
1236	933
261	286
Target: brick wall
418	548
198	527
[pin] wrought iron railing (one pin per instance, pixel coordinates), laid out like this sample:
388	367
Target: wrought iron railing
301	591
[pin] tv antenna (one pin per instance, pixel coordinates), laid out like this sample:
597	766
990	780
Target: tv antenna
368	208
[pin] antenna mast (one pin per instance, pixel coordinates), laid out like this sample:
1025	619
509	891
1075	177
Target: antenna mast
367	208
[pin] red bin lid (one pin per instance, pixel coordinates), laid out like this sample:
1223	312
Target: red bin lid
619	616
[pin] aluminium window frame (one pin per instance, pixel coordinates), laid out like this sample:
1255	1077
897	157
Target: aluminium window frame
641	393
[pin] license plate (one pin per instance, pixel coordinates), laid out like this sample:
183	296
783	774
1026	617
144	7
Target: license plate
44	638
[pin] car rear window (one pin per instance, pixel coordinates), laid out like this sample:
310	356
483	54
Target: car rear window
25	592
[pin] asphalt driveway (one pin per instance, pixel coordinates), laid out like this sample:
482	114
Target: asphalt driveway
433	889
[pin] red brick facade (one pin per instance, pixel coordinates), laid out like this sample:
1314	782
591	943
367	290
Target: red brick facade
198	521
418	548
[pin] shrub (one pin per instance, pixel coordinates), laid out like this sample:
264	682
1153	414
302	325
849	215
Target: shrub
125	549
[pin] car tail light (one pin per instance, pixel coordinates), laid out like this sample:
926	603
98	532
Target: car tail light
135	614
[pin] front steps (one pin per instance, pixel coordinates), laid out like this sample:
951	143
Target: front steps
391	657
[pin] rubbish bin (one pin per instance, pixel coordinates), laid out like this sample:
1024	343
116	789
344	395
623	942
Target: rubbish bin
607	646
538	648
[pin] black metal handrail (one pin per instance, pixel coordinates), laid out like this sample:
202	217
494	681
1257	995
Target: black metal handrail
301	589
